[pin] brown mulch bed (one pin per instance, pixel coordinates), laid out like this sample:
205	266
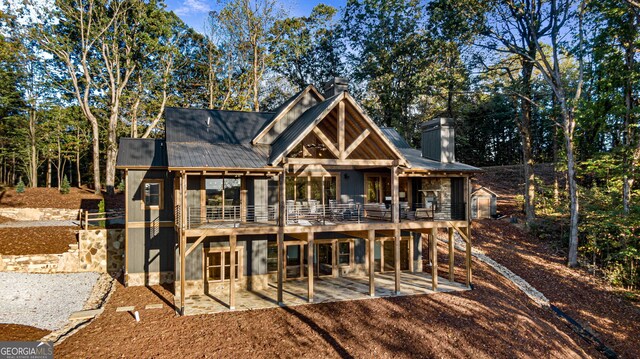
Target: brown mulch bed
590	301
494	320
52	198
20	333
36	240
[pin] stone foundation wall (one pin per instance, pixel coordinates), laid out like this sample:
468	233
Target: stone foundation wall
99	250
153	278
40	214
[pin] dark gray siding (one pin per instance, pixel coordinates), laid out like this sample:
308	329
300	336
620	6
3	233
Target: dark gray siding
352	187
150	250
431	144
134	196
254	254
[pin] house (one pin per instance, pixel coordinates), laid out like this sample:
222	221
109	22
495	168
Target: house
483	203
247	201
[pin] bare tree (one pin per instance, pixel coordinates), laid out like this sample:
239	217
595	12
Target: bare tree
89	20
552	16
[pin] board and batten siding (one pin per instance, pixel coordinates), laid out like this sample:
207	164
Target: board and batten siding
150	237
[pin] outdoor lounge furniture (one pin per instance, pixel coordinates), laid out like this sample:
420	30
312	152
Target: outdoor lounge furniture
377	211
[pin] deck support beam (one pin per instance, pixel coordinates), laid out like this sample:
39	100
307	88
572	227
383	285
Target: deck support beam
434	259
396	255
282	202
183	238
310	245
232	272
371	243
451	255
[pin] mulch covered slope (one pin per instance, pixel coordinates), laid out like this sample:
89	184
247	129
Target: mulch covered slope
20	333
36	240
591	302
52	198
494	320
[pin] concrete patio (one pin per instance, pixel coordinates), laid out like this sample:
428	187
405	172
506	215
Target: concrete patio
327	289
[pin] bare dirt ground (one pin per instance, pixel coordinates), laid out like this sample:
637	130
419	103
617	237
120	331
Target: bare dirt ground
77	198
591	302
36	240
494	320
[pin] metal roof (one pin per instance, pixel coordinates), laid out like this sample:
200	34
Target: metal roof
415	156
302	126
395	137
221	155
141	152
418	162
213	126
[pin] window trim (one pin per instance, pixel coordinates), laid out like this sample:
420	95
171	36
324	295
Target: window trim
160	183
222	251
351	253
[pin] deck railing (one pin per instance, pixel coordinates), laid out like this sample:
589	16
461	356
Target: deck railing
232	215
311	213
101	219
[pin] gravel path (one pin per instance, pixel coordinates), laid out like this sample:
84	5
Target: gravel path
22	224
43	300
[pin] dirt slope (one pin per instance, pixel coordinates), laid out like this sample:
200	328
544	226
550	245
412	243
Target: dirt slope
494	320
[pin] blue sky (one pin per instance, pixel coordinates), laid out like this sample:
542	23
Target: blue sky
194	12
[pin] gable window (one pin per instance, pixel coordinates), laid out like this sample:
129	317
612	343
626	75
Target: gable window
152	194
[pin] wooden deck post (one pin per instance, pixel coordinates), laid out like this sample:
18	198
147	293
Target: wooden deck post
232	271
410	242
468	257
183	239
396	253
310	266
434	259
243	206
282	213
451	255
372	264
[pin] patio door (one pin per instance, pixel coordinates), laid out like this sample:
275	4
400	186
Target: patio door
295	265
324	264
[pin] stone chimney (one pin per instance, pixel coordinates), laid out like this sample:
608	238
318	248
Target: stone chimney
335	86
438	140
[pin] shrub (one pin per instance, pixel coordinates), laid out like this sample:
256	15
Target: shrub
20	186
65	186
121	186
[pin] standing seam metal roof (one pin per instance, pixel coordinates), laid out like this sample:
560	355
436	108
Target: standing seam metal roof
303	124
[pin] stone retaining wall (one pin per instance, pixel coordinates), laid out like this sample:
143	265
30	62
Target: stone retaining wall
40	214
99	250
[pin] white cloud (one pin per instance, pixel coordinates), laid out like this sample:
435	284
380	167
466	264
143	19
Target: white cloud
192	6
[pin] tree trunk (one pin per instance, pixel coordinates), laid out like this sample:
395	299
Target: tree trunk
59	168
79	178
256	103
48	172
629	168
573	192
112	153
95	143
525	135
33	165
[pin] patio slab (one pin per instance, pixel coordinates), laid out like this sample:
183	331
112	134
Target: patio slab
326	290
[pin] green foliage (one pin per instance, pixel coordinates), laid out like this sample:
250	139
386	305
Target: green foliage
20	186
121	186
102	209
65	186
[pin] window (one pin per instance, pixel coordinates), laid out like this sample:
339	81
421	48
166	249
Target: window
218	264
304	188
152	194
344	253
272	257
